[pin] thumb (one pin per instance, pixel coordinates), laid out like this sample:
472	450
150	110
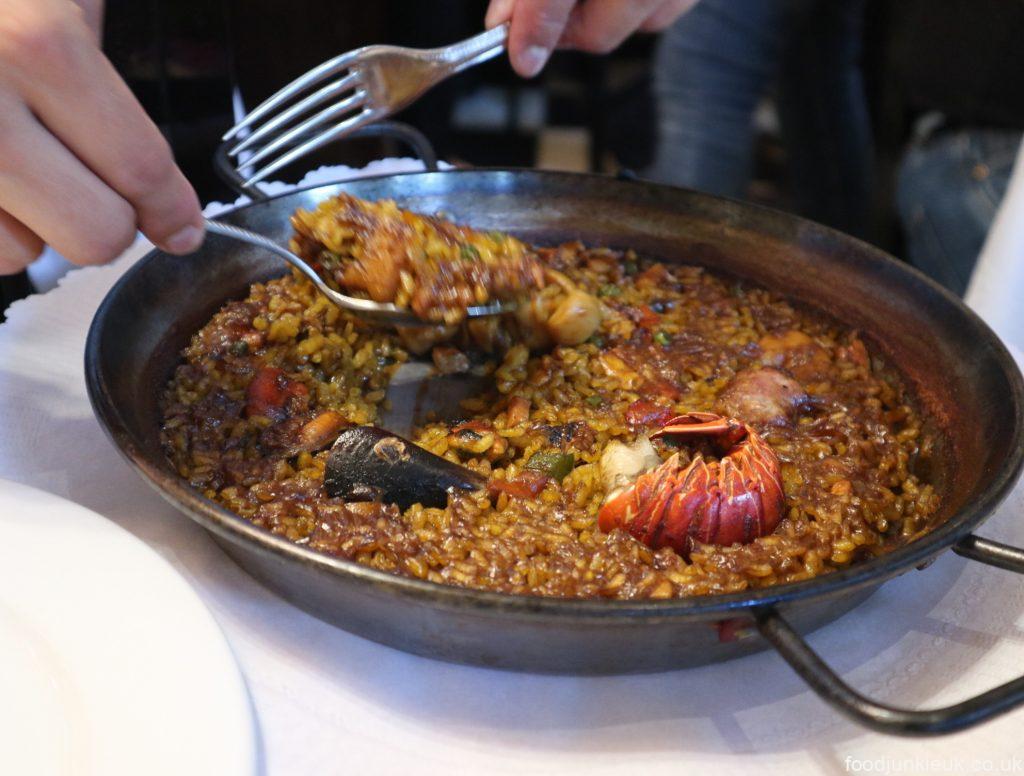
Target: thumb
537	26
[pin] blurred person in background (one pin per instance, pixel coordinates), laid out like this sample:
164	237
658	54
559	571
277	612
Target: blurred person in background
960	67
956	69
715	66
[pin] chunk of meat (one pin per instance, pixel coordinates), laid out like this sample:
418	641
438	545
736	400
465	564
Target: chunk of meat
576	435
761	396
856	353
477	438
658	372
301	434
561	314
269	392
797	353
575	319
518	410
643	414
449	360
321	431
621	464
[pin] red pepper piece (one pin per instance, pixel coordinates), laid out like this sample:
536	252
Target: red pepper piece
646	318
269	390
526	485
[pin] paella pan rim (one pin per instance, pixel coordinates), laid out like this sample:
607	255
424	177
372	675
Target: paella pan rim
228	526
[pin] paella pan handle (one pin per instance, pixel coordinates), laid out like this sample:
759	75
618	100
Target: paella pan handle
412	137
996	554
890	719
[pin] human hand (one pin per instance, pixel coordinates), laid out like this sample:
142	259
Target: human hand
81	165
598	26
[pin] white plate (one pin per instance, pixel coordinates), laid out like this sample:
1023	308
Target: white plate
109	662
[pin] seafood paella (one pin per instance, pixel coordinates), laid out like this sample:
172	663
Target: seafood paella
637	429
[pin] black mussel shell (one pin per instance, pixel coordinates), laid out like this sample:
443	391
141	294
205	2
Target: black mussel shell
367	463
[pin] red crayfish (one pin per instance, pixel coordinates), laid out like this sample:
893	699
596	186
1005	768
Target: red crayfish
735	499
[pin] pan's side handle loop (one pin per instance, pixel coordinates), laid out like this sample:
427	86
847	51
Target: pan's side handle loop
891	719
996	554
409	135
225	169
224	166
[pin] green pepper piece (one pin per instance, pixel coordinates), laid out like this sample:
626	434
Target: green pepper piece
594	401
468	253
610	289
554	464
662	338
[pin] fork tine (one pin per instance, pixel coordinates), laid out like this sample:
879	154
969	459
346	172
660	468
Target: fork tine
338	130
358	99
340	86
318	73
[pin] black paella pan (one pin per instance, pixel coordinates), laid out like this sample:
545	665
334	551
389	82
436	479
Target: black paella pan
964	377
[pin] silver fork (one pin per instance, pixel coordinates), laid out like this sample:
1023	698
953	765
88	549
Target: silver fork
372	83
377	311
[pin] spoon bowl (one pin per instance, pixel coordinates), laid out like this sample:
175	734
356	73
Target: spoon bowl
379	312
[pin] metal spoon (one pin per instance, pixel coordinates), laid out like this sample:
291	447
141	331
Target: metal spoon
378	311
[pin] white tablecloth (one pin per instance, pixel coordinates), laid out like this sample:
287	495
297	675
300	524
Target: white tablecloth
328	702
997	285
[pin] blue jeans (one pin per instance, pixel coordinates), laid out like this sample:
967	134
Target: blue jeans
948	191
716	63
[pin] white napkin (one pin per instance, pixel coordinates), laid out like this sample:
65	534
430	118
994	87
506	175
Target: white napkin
328	702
